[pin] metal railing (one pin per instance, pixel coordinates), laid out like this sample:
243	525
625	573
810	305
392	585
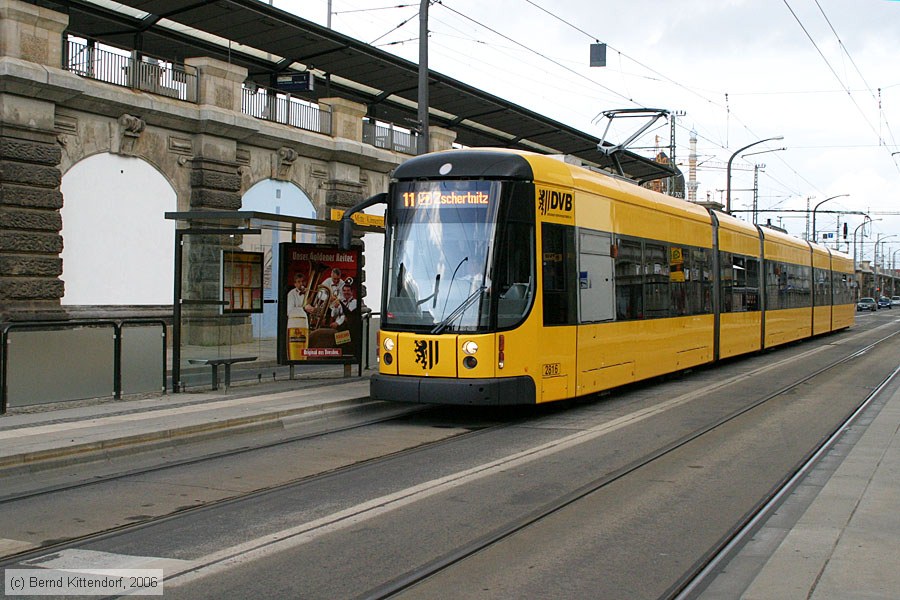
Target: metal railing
389	137
271	105
56	361
101	62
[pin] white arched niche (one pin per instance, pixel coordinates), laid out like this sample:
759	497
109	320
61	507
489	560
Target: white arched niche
118	247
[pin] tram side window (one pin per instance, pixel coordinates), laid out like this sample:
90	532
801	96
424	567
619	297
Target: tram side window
728	264
691	277
679	271
822	287
799	286
776	285
787	286
740	283
656	281
700	282
629	298
843	287
514	273
559	274
751	297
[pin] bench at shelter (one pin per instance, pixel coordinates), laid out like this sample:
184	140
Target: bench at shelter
215	362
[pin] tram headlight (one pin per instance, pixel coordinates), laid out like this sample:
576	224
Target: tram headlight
388	344
470	347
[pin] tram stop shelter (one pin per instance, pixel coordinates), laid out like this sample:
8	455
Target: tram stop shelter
231	279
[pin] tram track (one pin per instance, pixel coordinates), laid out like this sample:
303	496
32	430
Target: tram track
221	561
406	411
458	555
694	577
7	499
697	579
208	458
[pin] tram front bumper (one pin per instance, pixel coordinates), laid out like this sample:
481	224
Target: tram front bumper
439	390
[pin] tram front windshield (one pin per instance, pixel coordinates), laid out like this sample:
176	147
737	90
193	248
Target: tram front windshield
439	255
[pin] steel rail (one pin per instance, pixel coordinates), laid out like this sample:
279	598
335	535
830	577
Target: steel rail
701	578
423	572
309	479
198	459
75	541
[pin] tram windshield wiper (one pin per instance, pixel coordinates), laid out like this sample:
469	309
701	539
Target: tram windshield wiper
459	310
433	297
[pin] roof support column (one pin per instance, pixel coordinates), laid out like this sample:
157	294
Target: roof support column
423	77
30	177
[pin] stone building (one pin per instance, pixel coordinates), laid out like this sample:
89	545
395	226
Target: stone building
62	102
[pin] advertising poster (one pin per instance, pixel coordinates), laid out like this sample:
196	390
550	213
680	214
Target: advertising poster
319	310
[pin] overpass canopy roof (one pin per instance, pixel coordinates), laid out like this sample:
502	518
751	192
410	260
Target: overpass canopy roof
256	220
268	41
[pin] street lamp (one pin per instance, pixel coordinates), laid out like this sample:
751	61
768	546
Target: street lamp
878	240
867	219
728	170
814	238
756	170
894	272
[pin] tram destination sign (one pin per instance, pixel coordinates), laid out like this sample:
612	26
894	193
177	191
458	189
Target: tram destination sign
461	195
438	198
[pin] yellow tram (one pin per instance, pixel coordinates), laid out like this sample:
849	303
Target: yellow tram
516	278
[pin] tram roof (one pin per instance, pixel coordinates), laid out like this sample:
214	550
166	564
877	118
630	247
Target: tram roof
269	41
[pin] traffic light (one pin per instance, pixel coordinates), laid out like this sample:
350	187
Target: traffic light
845	231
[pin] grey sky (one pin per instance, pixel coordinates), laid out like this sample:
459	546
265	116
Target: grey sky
839	132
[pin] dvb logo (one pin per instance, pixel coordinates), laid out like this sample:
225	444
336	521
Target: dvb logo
550	200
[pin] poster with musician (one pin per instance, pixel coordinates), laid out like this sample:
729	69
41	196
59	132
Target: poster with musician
319	308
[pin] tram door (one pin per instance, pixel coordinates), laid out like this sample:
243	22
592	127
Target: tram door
598	366
596	288
560	312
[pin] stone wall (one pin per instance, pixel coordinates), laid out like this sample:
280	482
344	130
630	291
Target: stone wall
30	224
211	153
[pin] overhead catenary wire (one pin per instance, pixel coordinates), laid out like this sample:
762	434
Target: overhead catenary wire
359	10
533	51
710	137
862	77
830	67
844	88
372	43
666	78
663	76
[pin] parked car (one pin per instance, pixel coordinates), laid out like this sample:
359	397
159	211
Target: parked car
866	304
884	302
895	300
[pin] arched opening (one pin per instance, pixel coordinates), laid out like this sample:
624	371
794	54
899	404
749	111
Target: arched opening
118	248
282	198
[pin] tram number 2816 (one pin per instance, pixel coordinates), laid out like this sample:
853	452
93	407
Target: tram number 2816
551	369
